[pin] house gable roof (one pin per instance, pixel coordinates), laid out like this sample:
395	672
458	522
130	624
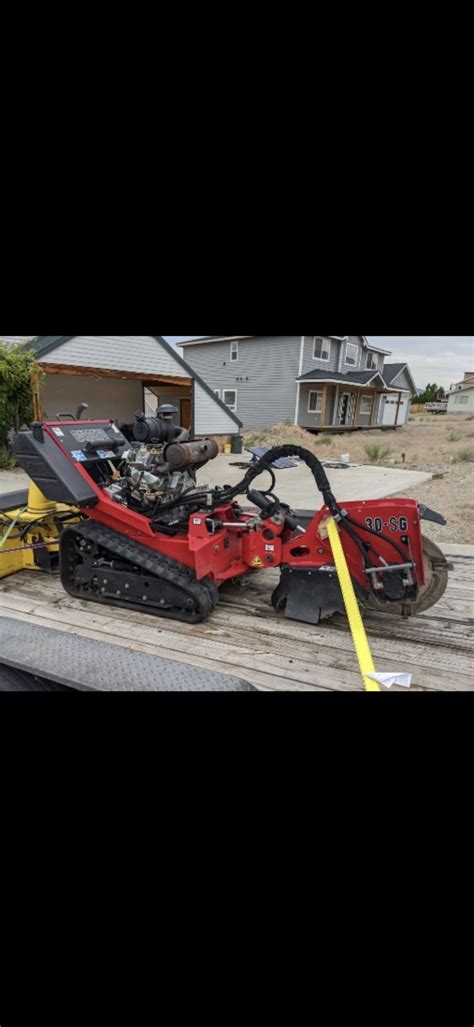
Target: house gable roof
464	386
44	344
393	371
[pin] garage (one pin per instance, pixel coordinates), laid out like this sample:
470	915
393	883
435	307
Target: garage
116	375
395	408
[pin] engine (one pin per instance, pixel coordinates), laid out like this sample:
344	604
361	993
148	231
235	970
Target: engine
160	466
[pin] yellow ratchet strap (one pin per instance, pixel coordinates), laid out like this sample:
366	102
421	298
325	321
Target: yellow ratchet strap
359	636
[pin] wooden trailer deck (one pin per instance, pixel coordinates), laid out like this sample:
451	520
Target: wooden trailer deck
245	638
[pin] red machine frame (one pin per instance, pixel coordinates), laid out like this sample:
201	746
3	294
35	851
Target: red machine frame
232	551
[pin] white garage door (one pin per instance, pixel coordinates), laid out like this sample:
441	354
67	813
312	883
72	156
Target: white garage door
403	412
389	409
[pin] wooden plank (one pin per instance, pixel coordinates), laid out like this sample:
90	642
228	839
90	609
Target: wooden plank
295	657
103	372
245	638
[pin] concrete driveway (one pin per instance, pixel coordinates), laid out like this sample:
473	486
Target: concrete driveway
295	487
12	481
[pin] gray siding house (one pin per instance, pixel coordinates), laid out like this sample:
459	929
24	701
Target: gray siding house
120	374
461	395
330	383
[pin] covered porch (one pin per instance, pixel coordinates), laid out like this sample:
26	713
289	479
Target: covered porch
341	406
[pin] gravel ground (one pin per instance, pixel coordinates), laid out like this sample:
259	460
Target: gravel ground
428	442
451	494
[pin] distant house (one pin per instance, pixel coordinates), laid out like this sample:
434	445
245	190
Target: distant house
330	382
461	395
120	374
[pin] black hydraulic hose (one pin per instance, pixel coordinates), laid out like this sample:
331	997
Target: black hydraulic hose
279	452
370	531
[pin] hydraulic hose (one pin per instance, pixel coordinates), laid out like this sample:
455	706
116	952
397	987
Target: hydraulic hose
279	452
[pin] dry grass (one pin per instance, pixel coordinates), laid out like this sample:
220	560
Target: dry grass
377	453
420	445
464	456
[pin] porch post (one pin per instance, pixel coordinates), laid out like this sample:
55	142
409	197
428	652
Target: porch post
336	406
297	408
323	406
398	408
357	407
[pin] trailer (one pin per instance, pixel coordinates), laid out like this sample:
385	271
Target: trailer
437	408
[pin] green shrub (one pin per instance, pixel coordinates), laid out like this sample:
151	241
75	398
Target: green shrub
324	440
6	462
376	452
453	436
17	367
464	456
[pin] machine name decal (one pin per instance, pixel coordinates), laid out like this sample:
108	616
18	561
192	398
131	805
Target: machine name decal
393	524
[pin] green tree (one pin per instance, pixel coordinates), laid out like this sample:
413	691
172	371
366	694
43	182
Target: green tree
431	394
17	368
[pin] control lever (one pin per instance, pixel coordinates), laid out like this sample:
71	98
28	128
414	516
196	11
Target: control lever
92	447
260	500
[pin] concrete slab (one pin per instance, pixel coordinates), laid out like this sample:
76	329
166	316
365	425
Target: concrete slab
12	481
296	486
456	549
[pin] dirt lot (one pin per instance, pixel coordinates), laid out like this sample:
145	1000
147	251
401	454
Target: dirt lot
440	444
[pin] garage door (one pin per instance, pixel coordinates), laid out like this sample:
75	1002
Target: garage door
403	412
389	410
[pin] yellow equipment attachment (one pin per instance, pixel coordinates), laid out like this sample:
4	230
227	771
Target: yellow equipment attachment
29	536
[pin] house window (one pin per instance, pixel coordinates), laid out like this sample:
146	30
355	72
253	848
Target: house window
352	354
461	399
230	399
321	349
371	363
315	401
234	352
365	405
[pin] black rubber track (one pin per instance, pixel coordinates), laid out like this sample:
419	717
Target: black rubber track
204	593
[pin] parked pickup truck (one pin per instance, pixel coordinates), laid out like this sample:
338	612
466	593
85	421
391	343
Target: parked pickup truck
437	408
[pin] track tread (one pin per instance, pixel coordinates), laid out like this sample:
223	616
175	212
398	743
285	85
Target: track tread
204	593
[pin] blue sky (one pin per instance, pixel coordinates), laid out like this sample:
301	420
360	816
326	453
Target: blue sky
432	358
